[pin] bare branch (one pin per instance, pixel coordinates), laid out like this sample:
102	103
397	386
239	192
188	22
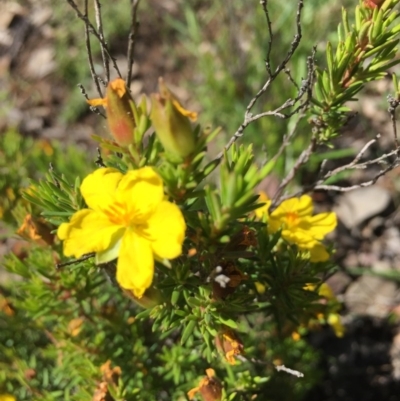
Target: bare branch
288	138
291	79
93	30
361	185
302	159
248	117
89	52
92	108
132	39
75	261
393	104
264	5
293	372
99	23
99	161
353	165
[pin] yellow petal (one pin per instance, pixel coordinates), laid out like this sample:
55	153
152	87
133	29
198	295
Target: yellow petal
88	231
326	291
319	225
119	86
99	187
305	206
135	268
302	206
318	253
98	102
7	397
166	228
274	224
335	322
141	191
300	237
261	211
192	115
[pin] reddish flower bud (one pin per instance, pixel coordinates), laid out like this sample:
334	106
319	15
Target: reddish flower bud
373	3
119	108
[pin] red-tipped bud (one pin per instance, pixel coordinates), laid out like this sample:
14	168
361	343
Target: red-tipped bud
119	108
373	3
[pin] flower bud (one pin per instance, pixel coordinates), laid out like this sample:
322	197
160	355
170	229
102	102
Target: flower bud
373	3
230	344
209	387
119	108
172	123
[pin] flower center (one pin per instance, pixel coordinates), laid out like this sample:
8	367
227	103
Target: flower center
120	215
292	219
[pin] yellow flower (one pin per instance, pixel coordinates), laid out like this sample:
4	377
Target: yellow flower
263	210
330	316
326	291
300	227
334	320
127	217
7	397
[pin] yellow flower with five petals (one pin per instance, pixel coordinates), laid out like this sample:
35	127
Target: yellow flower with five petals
299	226
127	217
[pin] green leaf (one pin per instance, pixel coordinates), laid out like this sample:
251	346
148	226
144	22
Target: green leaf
228	322
188	330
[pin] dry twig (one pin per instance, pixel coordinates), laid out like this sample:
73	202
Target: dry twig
99	23
248	116
132	40
91	29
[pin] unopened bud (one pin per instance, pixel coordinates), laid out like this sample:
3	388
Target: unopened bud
119	108
172	123
373	3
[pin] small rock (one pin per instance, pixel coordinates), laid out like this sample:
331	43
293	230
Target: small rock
361	204
338	282
136	89
382	266
8	11
373	296
392	237
41	63
395	356
40	15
